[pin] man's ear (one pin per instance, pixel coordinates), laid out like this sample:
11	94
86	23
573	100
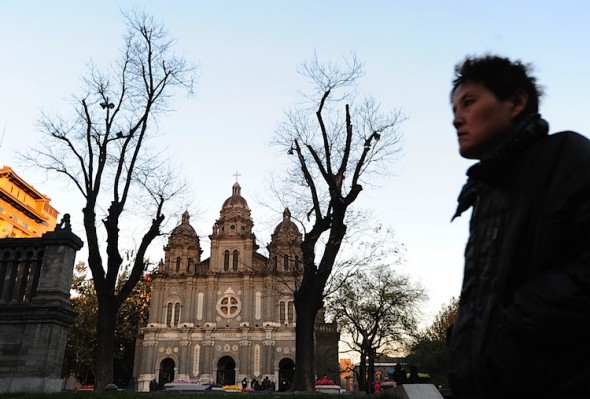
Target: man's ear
519	102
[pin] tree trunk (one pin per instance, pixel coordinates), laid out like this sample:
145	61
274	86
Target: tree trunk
371	370
105	346
305	374
362	377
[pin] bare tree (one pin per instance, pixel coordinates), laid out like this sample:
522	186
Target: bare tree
380	319
335	153
104	151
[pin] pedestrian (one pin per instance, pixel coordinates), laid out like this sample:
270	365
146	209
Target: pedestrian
131	384
526	283
71	382
399	375
266	384
244	383
413	378
377	387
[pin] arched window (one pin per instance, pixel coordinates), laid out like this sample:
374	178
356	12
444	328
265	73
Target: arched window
177	264
235	260
275	262
169	315
286	262
226	261
296	262
282	312
286	312
291	312
189	265
172	314
176	313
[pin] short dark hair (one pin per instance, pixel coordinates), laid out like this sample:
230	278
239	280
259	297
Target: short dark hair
501	76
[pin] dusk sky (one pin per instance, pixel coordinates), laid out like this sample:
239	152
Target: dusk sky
249	52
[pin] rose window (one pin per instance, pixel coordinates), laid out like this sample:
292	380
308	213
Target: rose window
228	306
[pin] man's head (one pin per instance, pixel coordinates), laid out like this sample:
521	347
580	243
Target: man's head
489	95
501	76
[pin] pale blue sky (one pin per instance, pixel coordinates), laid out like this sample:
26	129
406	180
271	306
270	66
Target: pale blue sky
249	52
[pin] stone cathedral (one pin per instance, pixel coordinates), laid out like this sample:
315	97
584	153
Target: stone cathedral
231	316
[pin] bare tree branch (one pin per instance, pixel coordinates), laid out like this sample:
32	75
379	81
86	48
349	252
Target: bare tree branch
104	151
360	143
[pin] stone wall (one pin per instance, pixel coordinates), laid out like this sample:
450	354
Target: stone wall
35	311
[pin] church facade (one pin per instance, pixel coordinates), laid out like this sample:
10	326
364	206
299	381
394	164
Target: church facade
230	316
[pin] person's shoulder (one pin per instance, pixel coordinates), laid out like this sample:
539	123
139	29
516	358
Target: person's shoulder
567	157
568	137
572	143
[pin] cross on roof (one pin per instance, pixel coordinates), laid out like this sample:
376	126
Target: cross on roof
237	175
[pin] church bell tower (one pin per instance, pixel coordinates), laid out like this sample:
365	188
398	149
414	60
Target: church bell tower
232	239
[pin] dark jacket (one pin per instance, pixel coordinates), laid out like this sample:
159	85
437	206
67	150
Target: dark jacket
522	326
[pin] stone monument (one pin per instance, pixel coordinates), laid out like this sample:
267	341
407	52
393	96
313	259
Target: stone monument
35	311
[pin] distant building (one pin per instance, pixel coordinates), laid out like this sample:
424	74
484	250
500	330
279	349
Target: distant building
24	211
230	316
346	374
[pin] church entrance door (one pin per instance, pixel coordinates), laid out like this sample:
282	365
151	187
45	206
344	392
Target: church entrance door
166	372
286	372
226	371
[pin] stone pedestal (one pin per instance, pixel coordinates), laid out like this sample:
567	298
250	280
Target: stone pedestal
328	388
413	391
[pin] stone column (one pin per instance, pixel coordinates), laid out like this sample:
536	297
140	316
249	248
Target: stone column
55	279
184	369
245	362
269	348
206	361
147	367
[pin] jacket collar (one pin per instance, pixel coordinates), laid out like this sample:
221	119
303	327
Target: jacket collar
528	130
524	133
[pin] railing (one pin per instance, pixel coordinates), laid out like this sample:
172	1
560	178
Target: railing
20	268
327	327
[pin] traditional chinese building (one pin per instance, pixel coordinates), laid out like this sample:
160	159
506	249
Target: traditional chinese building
24	211
230	316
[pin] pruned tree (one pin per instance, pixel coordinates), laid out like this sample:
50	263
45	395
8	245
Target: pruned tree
428	350
443	321
132	315
104	152
380	319
339	141
80	353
